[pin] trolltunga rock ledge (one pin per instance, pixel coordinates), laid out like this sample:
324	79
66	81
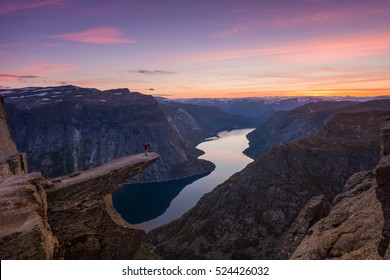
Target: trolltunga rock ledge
82	217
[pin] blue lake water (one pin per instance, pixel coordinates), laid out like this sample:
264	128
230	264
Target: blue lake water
150	205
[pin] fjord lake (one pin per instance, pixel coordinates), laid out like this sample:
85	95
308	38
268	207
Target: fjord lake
149	205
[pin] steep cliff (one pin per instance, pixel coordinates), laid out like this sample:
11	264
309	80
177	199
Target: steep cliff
248	216
24	229
24	232
7	145
68	129
11	162
358	225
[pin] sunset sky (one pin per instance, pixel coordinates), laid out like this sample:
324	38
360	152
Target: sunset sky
211	48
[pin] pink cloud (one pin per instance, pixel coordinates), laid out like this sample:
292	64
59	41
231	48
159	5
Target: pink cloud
12	77
44	68
99	35
36	72
11	6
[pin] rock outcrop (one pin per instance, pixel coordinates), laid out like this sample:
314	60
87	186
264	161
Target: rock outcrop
317	208
249	215
7	144
82	217
24	232
358	225
11	161
70	217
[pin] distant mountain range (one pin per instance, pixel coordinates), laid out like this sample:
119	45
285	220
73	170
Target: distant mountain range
264	107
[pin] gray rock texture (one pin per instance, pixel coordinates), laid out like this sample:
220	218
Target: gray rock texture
317	208
358	226
24	232
7	144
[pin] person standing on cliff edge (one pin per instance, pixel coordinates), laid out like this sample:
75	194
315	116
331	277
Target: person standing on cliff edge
146	146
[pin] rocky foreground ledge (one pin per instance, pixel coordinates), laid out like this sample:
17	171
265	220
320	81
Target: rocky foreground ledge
66	218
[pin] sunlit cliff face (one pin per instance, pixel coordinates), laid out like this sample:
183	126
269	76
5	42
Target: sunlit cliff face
201	48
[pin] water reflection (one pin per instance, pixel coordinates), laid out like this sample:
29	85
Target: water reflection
138	203
152	204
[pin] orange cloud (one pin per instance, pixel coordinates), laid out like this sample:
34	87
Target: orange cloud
99	35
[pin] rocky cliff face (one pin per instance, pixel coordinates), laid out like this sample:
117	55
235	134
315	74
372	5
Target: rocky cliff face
24	232
358	225
249	215
68	129
11	161
7	145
